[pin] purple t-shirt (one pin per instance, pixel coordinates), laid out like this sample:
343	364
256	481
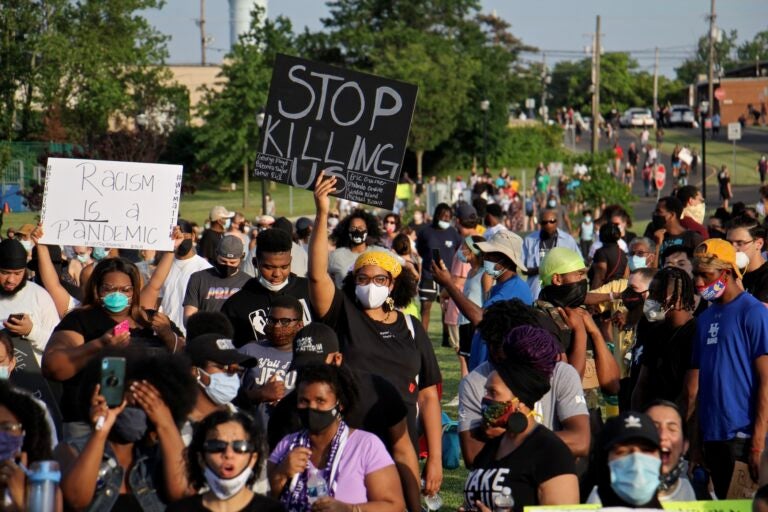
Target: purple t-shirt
363	454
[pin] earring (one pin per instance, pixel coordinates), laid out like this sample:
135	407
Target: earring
390	303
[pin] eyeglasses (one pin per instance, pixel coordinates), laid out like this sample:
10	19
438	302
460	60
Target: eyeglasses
15	429
281	321
128	290
741	243
378	280
544	222
219	446
642	254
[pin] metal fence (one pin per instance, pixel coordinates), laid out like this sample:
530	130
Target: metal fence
22	169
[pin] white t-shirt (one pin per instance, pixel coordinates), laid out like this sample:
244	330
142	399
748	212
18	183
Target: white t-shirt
175	286
35	301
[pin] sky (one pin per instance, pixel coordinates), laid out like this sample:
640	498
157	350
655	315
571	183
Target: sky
561	28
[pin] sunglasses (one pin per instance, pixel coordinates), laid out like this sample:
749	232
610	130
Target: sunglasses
281	321
543	222
219	446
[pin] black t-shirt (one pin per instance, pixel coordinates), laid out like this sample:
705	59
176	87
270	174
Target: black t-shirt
447	241
91	323
541	457
206	247
756	282
388	350
257	504
248	308
615	260
378	408
208	291
667	355
688	239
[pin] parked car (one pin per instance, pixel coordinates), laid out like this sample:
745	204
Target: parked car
641	117
682	115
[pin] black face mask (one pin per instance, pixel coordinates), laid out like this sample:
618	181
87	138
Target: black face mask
184	247
659	221
316	421
225	270
632	299
567	295
357	236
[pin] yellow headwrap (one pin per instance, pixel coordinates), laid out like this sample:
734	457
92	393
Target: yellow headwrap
381	259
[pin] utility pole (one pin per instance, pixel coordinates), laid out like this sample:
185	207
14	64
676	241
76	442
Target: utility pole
202	33
596	92
711	77
544	87
656	83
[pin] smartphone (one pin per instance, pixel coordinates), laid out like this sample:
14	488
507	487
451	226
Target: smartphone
122	327
436	257
16	316
113	380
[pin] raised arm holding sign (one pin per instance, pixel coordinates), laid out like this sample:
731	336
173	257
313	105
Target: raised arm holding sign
350	124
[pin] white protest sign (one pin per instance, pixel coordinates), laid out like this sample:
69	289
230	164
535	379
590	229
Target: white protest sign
124	205
685	156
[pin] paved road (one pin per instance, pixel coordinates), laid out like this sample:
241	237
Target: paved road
644	206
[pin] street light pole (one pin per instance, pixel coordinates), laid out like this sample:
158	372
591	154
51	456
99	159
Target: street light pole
703	108
484	105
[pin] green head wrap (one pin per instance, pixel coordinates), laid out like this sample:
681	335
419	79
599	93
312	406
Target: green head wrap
559	260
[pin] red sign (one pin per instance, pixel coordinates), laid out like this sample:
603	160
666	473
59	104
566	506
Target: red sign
720	93
660	176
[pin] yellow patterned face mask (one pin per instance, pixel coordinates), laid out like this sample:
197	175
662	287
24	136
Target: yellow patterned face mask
381	259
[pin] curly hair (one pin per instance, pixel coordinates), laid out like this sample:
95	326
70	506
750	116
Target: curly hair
340	234
338	378
91	297
37	433
403	291
171	374
393	216
501	317
205	322
195	452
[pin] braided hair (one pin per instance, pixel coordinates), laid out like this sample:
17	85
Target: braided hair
673	286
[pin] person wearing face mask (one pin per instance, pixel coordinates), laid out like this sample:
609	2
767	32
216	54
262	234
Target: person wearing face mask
267	383
564	287
586	232
673	442
354	463
728	380
171	276
539	243
694	210
391	225
441	237
355	234
628	463
113	467
112	299
223	460
747	236
26	436
527	458
502	259
209	289
666	339
248	309
23	235
221	221
375	336
81	260
666	229
642	253
476	286
610	262
27	310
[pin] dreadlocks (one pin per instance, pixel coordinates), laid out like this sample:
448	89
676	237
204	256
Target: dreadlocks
674	286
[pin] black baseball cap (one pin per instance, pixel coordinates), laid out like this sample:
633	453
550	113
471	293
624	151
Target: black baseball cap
312	344
629	426
13	255
218	349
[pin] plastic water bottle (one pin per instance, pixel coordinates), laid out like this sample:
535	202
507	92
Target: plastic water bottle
317	487
434	502
42	479
503	502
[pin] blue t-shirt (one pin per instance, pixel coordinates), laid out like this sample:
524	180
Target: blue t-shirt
729	337
514	288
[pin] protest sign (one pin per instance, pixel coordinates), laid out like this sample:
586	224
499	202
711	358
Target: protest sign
670	506
350	124
28	376
685	156
98	203
742	486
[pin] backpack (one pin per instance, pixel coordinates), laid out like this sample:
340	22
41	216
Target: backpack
451	448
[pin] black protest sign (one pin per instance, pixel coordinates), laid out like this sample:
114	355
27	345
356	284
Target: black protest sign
27	376
352	125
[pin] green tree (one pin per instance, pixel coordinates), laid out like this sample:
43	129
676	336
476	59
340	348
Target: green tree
689	71
755	50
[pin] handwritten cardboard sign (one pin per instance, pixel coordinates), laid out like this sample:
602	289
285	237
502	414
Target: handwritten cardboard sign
125	205
589	381
352	125
28	376
742	486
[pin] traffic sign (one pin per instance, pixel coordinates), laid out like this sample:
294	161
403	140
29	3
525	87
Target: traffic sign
530	103
660	176
720	93
734	131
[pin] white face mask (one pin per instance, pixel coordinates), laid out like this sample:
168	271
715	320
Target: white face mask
696	212
371	296
443	224
271	286
225	488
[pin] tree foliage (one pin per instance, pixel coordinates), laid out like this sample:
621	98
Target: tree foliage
689	71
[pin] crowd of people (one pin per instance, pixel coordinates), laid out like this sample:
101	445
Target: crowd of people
287	365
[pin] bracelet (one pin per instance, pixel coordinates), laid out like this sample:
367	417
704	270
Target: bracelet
756	450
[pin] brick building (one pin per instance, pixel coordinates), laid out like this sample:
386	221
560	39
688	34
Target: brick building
744	88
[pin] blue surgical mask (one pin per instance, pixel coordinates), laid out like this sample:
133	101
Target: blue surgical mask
636	262
635	477
99	253
461	256
116	302
443	224
227	223
223	387
491	270
5	372
83	258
